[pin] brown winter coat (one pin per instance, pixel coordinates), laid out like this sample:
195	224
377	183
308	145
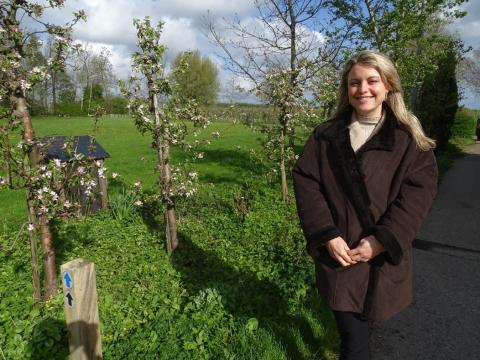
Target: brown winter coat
385	189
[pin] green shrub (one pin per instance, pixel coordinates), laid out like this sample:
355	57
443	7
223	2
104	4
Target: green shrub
122	205
464	125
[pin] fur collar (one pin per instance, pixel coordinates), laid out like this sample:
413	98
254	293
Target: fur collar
382	140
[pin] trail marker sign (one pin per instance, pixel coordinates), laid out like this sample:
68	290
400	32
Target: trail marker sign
81	310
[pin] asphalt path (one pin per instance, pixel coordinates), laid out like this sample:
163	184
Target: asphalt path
443	323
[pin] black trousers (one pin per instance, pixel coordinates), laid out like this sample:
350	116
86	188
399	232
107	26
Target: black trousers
354	334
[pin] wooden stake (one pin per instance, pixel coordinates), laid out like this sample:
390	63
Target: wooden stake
80	298
102	186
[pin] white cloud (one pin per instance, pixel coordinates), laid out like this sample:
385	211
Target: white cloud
180	35
110	24
468	27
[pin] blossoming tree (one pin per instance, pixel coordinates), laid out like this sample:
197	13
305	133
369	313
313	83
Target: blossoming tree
43	195
165	115
278	52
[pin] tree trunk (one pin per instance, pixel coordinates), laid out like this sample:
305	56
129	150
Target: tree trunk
45	95
37	295
414	90
373	23
21	111
171	220
7	157
48	251
283	172
90	98
165	179
102	186
54	92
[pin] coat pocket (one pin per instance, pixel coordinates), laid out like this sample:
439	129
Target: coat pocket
343	288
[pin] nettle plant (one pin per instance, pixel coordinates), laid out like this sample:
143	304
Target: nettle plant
24	163
169	119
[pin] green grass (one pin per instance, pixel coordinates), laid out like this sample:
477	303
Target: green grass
226	159
239	287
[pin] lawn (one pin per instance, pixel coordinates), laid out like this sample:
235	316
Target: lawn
239	287
226	159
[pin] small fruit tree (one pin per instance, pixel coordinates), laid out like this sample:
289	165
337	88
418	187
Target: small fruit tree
165	115
16	78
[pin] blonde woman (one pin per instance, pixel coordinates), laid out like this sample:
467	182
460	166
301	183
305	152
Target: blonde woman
363	184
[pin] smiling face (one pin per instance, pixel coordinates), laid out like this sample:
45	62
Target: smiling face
366	90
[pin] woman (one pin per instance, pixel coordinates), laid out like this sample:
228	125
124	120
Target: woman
363	184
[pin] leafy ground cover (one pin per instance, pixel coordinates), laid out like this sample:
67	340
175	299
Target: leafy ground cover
239	287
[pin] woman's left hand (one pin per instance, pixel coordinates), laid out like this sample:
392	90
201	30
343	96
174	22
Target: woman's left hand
367	249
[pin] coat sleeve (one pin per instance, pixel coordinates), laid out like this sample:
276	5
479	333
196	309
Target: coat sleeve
399	225
315	216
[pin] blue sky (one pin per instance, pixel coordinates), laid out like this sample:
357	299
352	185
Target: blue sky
110	25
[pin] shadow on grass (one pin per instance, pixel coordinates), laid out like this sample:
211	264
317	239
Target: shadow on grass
71	235
233	166
245	296
50	340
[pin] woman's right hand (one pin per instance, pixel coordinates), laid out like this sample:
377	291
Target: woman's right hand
337	248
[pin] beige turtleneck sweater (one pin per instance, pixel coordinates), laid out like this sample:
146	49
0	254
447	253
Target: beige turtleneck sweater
362	129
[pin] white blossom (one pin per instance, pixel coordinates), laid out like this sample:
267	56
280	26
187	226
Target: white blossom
24	85
101	172
30	227
60	39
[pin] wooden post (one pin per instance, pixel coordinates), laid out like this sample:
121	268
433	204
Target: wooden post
102	186
80	298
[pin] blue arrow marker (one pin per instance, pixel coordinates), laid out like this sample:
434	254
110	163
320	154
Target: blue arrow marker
67	280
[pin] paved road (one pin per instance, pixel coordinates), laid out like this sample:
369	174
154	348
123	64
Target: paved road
443	323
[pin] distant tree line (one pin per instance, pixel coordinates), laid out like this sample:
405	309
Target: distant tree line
88	81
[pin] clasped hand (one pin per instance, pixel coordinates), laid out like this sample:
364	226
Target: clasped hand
368	248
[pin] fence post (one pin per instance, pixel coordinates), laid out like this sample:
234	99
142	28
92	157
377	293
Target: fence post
102	186
81	309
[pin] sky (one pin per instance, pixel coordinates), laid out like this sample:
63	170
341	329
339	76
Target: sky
110	25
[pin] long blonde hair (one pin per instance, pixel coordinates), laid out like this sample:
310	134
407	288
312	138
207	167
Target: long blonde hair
394	99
